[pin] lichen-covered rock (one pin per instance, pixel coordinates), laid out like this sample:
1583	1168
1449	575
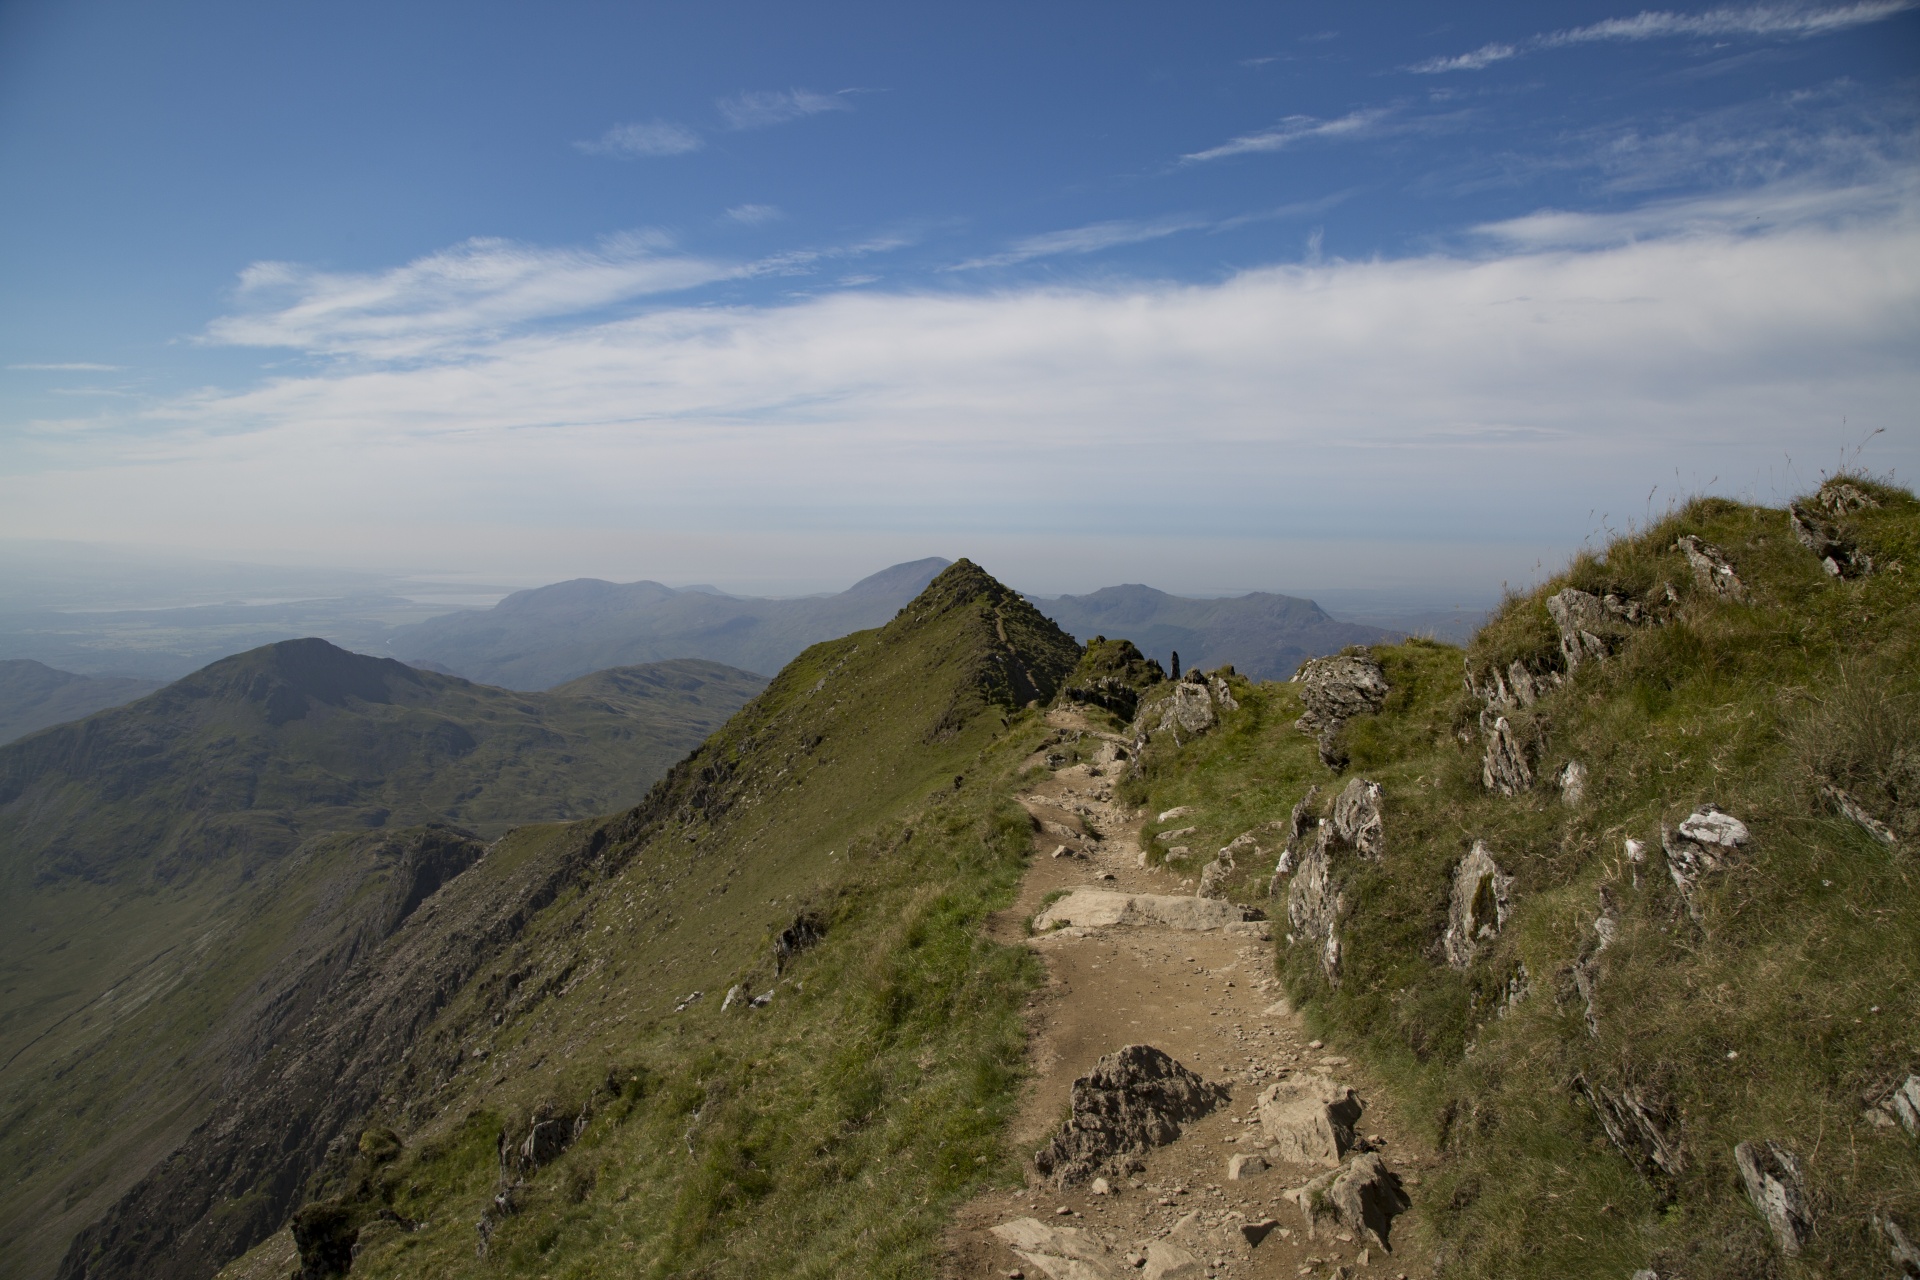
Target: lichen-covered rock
1365	1198
1479	905
1572	782
1333	691
1711	568
1772	1177
1505	767
1587	630
1815	525
1357	818
1315	903
1705	842
1309	1119
1190	707
1300	827
1133	1100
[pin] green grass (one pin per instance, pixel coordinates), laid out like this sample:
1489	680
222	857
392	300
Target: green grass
1747	705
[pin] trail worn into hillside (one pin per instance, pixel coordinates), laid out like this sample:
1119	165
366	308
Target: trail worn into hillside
1208	998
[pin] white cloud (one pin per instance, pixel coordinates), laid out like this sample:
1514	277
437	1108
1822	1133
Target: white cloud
482	288
648	138
755	215
1296	129
758	109
1088	239
71	367
1755	20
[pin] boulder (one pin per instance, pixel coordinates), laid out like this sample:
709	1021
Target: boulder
1481	892
1309	1119
1588	631
1245	1165
1315	903
1133	1100
1065	1253
1169	1261
1905	1103
1357	819
1364	1197
1214	876
1300	826
1222	693
1572	782
1711	568
1505	767
1333	691
1772	1177
1705	842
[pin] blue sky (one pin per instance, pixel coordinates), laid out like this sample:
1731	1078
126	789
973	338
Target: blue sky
1216	296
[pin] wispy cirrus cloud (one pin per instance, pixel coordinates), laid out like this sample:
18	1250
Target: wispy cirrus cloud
1090	238
1788	21
70	367
1295	129
759	108
646	138
484	287
755	215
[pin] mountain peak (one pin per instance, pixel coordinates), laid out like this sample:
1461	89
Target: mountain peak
900	579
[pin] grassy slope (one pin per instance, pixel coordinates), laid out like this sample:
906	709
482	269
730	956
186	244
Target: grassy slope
1757	1022
829	1133
134	881
34	695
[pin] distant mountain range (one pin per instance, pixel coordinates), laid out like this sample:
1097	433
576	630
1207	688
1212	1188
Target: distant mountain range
34	695
252	821
1264	636
540	638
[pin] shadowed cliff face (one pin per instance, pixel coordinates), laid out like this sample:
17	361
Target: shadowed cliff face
854	731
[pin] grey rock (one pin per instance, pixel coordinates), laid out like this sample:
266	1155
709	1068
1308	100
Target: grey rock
1587	629
1190	707
1704	843
1479	905
1772	1177
1905	1103
1364	1197
1638	1131
1904	1253
1133	1100
1586	968
1245	1165
1065	1253
1222	693
1857	812
1816	526
1573	783
1092	908
1214	876
1169	1261
1315	903
1711	568
1357	818
1334	690
1505	767
1300	826
1309	1119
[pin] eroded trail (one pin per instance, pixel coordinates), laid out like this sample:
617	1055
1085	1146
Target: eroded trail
1206	996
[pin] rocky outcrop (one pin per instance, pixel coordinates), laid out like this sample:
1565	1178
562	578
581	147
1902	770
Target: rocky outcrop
1300	827
1816	525
1591	627
1706	841
1315	903
1505	768
1190	707
1572	781
1586	967
1479	905
1365	1198
1309	1119
1640	1132
1771	1175
1333	691
1133	1100
1358	820
1711	568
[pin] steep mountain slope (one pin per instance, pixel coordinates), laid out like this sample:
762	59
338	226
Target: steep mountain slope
34	695
1640	890
537	639
830	852
1264	635
140	848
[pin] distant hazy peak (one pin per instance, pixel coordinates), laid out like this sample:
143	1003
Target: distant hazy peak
907	579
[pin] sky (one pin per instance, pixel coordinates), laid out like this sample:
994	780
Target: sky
1213	296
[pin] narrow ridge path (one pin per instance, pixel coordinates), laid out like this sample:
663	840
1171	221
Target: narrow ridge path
1206	997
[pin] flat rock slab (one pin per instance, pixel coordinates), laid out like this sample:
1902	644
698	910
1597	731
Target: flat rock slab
1309	1119
1089	908
1065	1253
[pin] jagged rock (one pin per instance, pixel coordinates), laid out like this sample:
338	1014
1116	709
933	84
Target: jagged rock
1705	841
1587	628
1180	811
736	994
807	929
1065	1253
1365	1198
1839	498
1772	1177
1315	903
1819	534
1190	707
1586	967
1639	1132
1854	810
1222	693
1519	987
1479	905
1573	783
1133	1100
1904	1253
1245	1165
1309	1119
1256	1231
1505	768
1299	826
1090	908
1214	876
1173	834
1906	1104
1168	1261
1334	690
1711	568
1357	819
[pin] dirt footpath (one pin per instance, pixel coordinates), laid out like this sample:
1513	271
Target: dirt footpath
1208	998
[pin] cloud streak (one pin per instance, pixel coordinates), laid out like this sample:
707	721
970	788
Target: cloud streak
1779	21
649	138
761	108
1091	238
1293	130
